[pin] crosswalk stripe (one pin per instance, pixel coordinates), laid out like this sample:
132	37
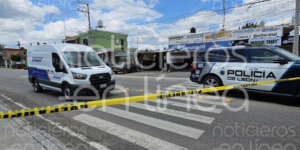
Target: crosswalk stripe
192	106
127	134
115	91
175	113
161	124
200	101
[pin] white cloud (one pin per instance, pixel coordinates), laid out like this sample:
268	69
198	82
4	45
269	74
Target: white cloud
24	9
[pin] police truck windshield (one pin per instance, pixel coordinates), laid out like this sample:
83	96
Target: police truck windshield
82	59
287	54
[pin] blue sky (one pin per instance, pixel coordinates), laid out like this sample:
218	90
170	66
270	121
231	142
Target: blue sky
152	21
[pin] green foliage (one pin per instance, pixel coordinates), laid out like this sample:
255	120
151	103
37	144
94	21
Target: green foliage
15	57
1	47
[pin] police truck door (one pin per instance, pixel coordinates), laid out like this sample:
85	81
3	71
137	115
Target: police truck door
262	68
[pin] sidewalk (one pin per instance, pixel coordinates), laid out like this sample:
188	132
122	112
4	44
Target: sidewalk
154	74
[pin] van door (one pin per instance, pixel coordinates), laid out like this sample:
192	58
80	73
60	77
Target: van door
56	77
262	68
233	71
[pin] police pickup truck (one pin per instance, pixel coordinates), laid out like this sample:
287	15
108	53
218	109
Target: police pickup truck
243	64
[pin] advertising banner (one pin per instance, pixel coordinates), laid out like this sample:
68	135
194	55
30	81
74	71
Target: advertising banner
244	34
186	39
201	46
221	36
287	40
189	47
275	41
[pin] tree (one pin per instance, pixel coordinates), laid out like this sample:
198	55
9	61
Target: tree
1	47
15	57
250	25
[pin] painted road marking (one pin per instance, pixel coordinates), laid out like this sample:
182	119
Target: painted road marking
175	113
199	100
161	124
127	134
192	106
65	129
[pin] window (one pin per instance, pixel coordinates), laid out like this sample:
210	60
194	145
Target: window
55	59
122	44
233	58
86	42
263	56
210	56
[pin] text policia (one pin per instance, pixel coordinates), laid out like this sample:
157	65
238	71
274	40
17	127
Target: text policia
240	75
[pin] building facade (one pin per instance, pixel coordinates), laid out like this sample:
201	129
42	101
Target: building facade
6	55
100	40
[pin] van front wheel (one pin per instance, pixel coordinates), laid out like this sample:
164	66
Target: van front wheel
67	92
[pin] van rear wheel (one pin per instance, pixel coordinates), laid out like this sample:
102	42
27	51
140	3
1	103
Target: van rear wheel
36	86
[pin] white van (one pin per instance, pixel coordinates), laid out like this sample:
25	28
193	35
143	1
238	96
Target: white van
65	67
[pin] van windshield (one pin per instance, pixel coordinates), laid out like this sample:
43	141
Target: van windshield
82	59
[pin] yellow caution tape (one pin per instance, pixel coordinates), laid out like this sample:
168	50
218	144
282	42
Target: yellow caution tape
100	103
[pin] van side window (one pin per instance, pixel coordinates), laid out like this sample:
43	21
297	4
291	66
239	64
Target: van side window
263	56
233	58
55	59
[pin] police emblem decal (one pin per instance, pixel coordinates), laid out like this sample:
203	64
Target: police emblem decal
222	72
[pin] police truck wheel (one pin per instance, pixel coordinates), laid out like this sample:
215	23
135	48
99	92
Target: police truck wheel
67	92
36	87
212	81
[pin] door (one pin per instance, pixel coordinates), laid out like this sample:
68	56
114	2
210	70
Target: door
55	77
235	68
261	67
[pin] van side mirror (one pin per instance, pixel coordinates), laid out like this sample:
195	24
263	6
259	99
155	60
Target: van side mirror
280	60
57	68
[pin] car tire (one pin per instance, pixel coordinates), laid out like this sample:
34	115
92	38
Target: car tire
212	81
116	72
36	86
125	71
138	70
67	91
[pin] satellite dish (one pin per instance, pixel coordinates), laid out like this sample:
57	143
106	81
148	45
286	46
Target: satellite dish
262	24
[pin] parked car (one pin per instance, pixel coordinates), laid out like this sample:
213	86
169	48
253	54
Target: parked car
125	68
18	65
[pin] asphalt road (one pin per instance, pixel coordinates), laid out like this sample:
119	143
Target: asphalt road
265	121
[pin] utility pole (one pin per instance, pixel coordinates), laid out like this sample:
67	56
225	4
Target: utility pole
19	44
296	29
224	15
88	12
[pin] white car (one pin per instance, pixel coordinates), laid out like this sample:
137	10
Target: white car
66	67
